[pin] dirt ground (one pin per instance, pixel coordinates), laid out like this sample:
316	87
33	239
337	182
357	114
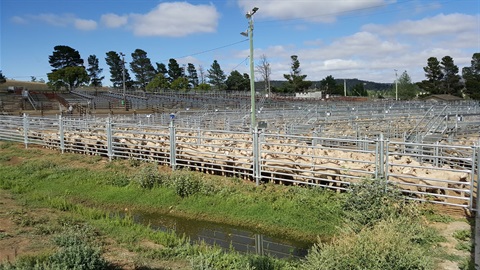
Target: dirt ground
25	231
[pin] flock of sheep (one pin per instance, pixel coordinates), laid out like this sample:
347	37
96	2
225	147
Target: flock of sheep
438	174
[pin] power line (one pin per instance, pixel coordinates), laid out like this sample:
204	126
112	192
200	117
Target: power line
210	50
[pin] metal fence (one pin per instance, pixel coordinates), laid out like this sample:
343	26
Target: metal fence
438	173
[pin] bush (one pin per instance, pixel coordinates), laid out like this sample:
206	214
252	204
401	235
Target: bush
378	247
149	176
372	201
186	183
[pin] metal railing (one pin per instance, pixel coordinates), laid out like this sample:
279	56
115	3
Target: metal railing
438	173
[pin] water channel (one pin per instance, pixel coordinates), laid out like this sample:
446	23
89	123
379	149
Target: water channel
226	237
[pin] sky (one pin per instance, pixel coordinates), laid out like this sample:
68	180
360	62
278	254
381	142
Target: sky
372	40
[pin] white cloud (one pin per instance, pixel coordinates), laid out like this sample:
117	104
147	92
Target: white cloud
176	19
54	19
439	25
111	20
19	20
62	20
316	11
85	25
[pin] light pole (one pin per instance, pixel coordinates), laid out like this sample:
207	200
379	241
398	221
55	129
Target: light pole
123	76
396	85
249	33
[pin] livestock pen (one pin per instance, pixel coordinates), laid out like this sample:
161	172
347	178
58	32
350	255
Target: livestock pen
440	172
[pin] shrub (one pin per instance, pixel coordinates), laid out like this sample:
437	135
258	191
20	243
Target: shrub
186	183
149	176
375	248
371	201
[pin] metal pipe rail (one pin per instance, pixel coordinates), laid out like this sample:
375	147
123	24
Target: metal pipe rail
438	173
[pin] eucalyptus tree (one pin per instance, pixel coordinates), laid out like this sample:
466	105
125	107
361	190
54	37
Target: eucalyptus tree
216	76
471	76
160	82
94	71
265	71
237	81
142	68
201	72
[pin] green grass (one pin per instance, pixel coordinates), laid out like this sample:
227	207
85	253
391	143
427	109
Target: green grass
380	225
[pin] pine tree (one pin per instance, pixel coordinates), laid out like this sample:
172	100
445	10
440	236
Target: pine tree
68	70
174	70
216	76
192	75
94	71
295	80
451	80
142	68
117	67
471	75
434	75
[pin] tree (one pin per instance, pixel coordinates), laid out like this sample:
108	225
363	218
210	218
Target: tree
238	82
117	67
180	83
201	71
142	67
451	80
471	76
33	78
64	56
295	80
94	71
216	76
406	89
329	85
159	82
434	75
162	69
264	69
69	77
192	75
174	70
3	79
358	90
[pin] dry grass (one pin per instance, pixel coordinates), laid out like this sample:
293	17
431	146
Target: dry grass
36	86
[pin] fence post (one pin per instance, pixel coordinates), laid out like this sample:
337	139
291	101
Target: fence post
380	163
25	130
109	139
256	156
62	134
475	181
173	162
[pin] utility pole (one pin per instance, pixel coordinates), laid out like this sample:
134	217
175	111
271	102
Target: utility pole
123	76
396	85
249	16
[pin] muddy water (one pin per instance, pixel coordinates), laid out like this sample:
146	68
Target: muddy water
224	236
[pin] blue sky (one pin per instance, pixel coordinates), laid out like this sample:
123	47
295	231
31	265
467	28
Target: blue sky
364	39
